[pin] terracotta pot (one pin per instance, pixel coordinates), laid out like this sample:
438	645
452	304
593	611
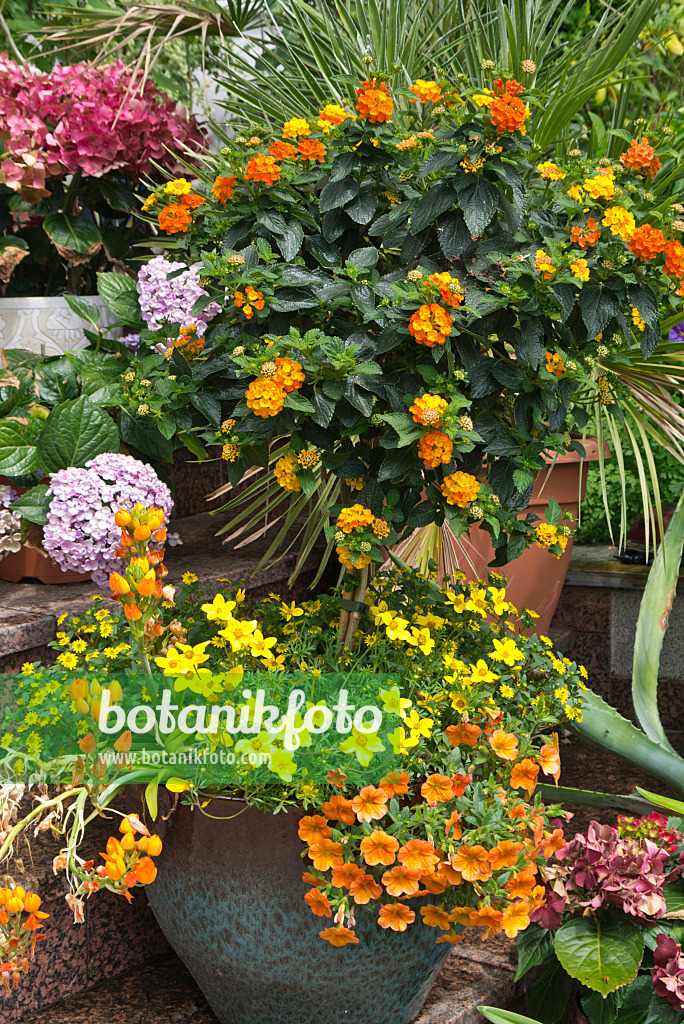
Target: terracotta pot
535	580
30	563
229	898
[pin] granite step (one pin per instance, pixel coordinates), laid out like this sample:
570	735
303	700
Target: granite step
163	992
29	610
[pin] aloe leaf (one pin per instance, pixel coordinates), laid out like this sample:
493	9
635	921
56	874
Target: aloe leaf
606	728
676	806
505	1016
651	625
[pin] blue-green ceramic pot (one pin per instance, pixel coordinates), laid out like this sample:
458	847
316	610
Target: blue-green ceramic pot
229	898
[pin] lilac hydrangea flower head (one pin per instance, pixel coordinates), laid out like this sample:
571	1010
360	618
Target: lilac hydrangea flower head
80	533
164	300
131	341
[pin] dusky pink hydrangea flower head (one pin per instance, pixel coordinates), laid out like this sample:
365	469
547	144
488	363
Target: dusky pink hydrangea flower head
169	300
654	826
89	119
601	868
668	972
81	533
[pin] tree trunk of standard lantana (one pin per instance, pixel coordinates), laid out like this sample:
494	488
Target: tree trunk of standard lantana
350	616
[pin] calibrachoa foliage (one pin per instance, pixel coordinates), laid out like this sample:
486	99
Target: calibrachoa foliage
447	307
615	884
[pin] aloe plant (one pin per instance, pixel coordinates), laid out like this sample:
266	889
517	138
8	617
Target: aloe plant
648	746
505	1016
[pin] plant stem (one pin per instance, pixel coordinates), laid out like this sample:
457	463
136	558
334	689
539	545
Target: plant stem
355	616
71	192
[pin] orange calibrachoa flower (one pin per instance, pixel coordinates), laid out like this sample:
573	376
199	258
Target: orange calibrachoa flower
338	936
326	854
437	789
460	782
460	488
374	101
435	917
504	854
401	881
521	885
312	828
430	325
646	242
641	158
282	150
587	236
311	149
396	916
319	903
504	745
464	733
549	758
264	397
262	168
379	848
395	783
554	842
223	188
453	823
370	804
364	888
435	448
426	92
428	410
338	808
344	874
487	917
419	854
174	217
524	776
516	918
472	862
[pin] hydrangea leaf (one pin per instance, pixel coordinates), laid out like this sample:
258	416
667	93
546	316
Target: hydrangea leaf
74	432
603	955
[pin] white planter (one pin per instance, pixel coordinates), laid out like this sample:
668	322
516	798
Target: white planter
46	326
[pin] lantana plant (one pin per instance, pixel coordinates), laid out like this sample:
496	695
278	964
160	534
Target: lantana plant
431	308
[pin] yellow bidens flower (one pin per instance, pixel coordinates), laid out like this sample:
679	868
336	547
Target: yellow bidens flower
178	187
294	128
602	186
620	221
285	474
428	410
265	397
430	325
580	269
459	488
550	171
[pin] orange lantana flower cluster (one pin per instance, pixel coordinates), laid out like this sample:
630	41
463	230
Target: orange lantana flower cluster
507	110
426	92
430	325
255	300
374	102
460	488
449	287
311	149
223	188
641	158
435	448
587	236
646	242
264	397
428	410
262	168
674	258
554	364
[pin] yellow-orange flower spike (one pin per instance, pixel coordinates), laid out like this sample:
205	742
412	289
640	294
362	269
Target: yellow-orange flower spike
147	584
123	743
122	518
142	532
132	612
78	689
118	584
